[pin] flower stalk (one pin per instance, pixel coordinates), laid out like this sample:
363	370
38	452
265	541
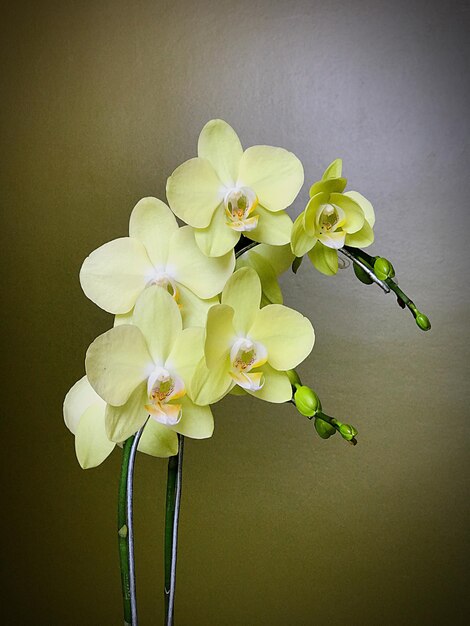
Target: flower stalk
123	535
173	501
367	262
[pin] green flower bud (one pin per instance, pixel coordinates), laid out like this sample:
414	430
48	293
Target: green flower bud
383	269
347	431
307	401
361	275
324	429
423	321
294	378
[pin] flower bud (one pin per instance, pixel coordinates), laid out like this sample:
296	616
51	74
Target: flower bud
347	431
294	378
307	401
423	321
383	269
324	429
362	275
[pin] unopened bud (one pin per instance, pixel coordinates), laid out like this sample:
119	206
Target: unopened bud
347	431
383	269
362	275
324	429
307	401
423	321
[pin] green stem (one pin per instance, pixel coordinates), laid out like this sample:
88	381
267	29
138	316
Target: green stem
369	261
170	512
333	422
123	540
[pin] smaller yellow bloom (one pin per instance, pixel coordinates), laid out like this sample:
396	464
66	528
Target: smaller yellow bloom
331	220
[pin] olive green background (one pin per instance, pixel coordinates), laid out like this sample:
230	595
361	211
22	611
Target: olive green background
100	102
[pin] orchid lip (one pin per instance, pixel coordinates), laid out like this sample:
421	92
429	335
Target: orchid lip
239	203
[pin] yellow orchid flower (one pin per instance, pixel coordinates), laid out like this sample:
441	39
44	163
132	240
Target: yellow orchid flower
268	262
250	347
332	218
84	416
145	368
157	252
226	191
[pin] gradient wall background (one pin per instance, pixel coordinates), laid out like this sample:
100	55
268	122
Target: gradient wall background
100	102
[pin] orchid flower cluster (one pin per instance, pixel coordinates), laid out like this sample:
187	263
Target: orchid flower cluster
192	322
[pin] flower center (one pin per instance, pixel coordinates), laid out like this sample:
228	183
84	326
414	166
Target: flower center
162	389
167	282
246	355
330	218
239	204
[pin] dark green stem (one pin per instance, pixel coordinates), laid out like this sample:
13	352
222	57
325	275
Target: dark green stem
403	299
123	539
169	515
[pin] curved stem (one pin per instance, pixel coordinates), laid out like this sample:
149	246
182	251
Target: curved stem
123	532
246	248
366	269
174	534
170	511
130	524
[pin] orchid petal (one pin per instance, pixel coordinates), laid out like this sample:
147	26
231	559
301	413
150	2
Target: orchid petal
78	399
218	238
277	387
313	211
287	335
114	275
220	334
124	421
220	145
365	205
187	351
205	276
92	445
272	228
334	170
301	241
324	259
275	175
354	214
243	293
116	362
153	223
280	257
194	191
158	317
211	385
196	422
158	440
362	238
271	292
193	310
